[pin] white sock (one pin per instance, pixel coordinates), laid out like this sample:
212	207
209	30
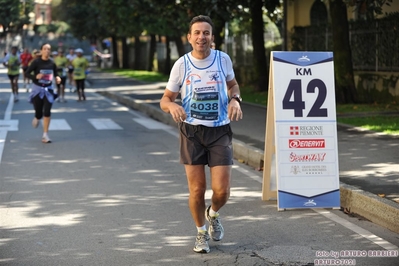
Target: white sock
201	228
212	213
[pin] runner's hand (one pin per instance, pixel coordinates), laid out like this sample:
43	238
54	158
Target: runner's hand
234	110
177	112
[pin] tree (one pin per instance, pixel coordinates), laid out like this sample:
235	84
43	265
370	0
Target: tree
83	16
258	42
344	78
345	89
257	9
14	14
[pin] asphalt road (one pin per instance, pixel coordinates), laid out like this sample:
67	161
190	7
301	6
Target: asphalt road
109	190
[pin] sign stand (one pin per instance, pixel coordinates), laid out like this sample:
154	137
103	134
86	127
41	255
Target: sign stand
270	149
301	135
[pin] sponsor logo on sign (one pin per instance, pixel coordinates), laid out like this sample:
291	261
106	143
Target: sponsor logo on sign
304	58
310	203
310	157
306	130
308	170
314	169
306	143
295	169
294	130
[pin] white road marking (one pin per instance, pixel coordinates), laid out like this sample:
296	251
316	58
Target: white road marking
7	114
7	117
9	125
151	123
59	124
3	136
363	232
104	124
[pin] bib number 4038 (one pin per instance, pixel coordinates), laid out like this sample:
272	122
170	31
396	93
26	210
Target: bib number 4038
298	105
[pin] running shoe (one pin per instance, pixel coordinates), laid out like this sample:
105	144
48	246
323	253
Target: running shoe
16	98
201	243
215	230
35	122
46	139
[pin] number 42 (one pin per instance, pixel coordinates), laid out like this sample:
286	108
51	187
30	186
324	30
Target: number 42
298	105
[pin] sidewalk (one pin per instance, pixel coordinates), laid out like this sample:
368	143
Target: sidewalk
368	161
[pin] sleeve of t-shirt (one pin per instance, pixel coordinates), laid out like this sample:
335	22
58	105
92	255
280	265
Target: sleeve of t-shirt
176	76
6	58
55	70
28	71
227	66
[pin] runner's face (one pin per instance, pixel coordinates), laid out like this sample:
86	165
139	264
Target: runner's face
46	50
201	38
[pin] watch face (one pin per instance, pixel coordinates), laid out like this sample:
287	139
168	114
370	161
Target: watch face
237	97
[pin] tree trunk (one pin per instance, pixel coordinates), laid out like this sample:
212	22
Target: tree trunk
115	60
166	69
345	90
153	47
179	45
125	53
259	53
219	27
137	52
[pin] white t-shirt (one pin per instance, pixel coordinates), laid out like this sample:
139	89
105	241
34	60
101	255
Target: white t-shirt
70	57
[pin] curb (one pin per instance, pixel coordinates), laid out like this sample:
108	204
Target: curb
378	210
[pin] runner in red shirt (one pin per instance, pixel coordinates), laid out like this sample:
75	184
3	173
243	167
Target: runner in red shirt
26	57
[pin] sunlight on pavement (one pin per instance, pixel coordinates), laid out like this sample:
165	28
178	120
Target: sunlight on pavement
27	217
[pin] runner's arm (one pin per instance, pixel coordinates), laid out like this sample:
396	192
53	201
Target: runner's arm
168	105
30	70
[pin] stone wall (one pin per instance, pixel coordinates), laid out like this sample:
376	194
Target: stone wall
378	87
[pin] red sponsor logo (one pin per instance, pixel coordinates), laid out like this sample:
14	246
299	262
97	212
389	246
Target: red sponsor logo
294	130
310	157
306	143
306	130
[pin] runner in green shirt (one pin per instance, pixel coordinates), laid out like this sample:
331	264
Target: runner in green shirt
12	62
80	65
62	67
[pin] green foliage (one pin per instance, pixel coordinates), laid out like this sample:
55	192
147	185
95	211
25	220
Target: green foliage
366	108
14	14
385	124
56	27
83	16
249	95
367	8
140	75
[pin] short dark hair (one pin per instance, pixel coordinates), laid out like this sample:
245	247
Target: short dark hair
201	18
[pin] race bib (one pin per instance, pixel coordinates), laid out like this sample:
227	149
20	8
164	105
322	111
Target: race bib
47	77
205	104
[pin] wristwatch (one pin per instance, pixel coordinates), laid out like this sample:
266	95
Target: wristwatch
237	97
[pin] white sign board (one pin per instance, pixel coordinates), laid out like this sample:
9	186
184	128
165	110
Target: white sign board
305	135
